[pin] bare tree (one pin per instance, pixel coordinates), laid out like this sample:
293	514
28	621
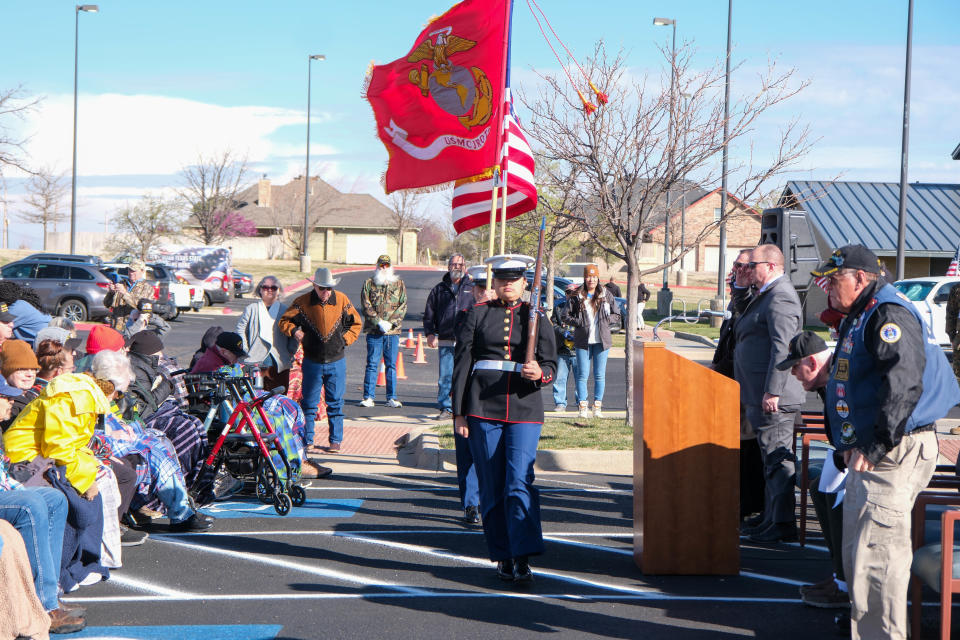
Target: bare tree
46	191
209	195
142	226
13	106
623	159
406	208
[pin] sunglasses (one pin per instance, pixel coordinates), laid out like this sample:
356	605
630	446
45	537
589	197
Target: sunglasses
753	265
319	288
267	287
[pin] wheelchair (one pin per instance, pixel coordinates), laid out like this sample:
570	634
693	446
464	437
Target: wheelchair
241	436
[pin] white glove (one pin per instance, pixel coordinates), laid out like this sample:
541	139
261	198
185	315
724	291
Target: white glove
384	325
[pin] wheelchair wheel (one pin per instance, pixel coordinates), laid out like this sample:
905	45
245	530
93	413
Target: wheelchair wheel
266	484
282	504
298	495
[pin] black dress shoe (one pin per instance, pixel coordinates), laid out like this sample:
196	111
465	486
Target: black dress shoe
197	522
505	570
777	532
753	521
521	571
472	515
760	528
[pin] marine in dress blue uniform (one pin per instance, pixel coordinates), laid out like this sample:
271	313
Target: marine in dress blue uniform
889	382
497	404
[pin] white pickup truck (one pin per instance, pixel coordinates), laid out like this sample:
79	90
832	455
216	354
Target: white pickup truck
929	295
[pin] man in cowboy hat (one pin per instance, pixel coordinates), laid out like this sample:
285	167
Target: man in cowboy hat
324	322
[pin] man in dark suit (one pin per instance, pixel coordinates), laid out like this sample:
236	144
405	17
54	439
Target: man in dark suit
772	398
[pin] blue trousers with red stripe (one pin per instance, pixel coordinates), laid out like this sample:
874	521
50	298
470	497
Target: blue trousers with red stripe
503	455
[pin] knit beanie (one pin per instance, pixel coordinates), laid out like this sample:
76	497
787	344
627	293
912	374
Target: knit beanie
103	338
17	354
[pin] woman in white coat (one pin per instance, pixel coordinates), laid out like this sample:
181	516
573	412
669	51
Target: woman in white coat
262	340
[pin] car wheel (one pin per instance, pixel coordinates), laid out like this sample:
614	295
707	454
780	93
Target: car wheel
174	315
73	310
207	301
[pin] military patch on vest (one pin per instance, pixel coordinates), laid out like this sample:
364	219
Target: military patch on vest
848	435
843	409
847	346
843	369
841	391
890	333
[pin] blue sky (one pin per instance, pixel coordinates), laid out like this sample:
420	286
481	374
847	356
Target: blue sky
160	82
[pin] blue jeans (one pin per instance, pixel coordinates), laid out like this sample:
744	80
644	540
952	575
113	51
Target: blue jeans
40	515
174	496
466	473
331	378
565	364
377	347
597	355
446	379
503	454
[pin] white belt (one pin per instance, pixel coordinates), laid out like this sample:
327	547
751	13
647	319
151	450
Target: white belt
498	365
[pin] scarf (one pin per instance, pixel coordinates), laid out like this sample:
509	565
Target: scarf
268	322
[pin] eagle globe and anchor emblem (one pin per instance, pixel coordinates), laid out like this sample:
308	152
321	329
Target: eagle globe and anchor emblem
465	93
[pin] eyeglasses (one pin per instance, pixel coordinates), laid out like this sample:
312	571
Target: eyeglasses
833	278
753	265
267	287
741	265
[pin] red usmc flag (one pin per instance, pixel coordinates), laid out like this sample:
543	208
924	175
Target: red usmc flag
438	109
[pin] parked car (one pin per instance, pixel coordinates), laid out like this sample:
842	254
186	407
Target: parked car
73	290
929	296
171	296
242	283
559	291
67	257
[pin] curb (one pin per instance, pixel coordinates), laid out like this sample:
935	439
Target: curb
695	337
423	451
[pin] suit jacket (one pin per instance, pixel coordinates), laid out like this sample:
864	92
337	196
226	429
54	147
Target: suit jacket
249	329
763	335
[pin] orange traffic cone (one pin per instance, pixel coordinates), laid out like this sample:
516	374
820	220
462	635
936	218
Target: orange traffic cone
409	344
382	376
401	374
419	357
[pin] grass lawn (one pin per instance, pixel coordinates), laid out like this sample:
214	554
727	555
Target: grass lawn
606	434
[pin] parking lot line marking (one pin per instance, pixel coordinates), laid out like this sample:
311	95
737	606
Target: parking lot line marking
760	576
444	487
587	545
486	563
575	484
611	597
286	564
379	532
148	587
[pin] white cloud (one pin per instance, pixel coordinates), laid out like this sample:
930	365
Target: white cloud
146	134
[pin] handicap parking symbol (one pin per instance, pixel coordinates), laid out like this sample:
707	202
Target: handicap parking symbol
183	632
253	508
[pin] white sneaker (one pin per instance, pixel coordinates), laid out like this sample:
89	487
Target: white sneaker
560	408
584	411
393	403
366	402
597	413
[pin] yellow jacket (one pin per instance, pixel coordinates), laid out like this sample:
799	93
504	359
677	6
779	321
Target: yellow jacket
58	424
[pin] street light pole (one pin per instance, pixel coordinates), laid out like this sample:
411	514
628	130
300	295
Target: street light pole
682	272
905	148
721	265
665	296
86	8
305	245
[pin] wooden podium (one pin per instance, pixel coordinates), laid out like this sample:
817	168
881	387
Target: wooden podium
686	462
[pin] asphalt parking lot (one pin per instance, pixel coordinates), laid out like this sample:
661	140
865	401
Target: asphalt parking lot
386	556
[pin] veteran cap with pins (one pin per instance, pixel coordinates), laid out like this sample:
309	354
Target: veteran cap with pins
5	315
510	266
851	256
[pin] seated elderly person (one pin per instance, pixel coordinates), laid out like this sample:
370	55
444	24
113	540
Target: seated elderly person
227	350
57	426
25	305
40	515
160	481
6	324
100	338
19	367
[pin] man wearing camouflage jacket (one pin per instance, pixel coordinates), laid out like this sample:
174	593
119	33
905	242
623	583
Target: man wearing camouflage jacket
383	303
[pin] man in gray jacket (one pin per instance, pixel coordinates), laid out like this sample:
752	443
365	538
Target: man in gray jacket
772	398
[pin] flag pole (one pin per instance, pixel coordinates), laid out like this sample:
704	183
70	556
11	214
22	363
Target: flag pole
493	221
503	121
503	213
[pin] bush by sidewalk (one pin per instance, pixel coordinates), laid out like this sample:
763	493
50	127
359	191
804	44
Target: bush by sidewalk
607	434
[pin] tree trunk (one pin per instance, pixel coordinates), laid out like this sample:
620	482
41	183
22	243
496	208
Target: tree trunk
633	280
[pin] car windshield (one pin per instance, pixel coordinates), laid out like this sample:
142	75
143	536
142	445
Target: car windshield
915	290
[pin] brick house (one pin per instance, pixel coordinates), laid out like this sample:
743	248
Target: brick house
351	228
702	209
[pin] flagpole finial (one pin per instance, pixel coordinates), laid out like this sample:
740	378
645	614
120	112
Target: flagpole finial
588	106
602	98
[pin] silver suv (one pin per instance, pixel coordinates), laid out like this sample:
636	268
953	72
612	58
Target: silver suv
73	290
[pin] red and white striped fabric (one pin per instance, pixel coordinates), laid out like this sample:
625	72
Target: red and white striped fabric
821	282
472	196
954	268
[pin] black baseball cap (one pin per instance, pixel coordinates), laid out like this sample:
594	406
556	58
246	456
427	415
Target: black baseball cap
851	256
232	342
145	342
802	345
5	315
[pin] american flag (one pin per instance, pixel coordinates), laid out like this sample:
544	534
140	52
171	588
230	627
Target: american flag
821	281
954	268
472	196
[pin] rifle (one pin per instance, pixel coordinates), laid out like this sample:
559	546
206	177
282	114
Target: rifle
535	296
